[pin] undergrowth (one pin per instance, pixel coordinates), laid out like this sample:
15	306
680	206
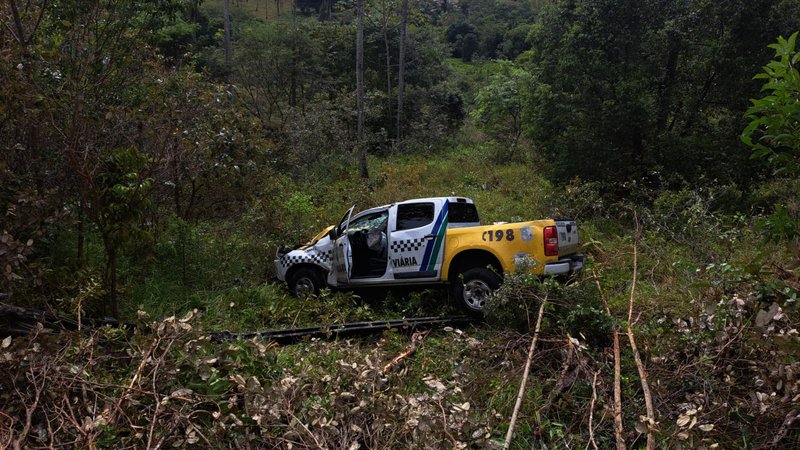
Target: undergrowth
715	315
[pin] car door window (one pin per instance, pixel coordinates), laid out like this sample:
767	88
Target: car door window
369	222
462	213
414	215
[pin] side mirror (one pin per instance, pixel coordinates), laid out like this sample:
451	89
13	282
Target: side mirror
332	234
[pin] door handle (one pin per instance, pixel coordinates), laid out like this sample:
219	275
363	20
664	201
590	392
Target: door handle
430	236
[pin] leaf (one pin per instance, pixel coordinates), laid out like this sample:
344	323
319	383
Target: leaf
187	317
792	41
683	421
760	153
706	427
6	342
182	392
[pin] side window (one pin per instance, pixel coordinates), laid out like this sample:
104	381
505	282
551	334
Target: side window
414	215
462	213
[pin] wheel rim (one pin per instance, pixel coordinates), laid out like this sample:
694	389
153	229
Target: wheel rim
304	287
476	292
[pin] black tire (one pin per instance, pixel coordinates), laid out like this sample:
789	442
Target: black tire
473	288
305	281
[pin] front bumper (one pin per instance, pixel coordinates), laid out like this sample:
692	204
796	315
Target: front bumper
570	264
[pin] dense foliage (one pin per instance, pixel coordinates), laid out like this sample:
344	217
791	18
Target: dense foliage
653	89
145	170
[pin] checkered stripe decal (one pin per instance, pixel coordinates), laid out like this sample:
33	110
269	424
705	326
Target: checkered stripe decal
316	258
407	245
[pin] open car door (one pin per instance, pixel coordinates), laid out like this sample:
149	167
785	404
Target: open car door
342	257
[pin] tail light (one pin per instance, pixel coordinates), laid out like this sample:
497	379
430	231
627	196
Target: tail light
550	241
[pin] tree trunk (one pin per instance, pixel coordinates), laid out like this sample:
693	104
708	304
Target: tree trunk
81	235
293	87
362	148
401	72
325	10
110	278
667	83
388	73
227	37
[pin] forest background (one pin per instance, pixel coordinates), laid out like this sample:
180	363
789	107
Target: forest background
152	162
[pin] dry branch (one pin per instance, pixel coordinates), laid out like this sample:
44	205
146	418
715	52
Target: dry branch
447	433
648	400
416	339
565	379
591	412
521	392
29	410
784	429
618	430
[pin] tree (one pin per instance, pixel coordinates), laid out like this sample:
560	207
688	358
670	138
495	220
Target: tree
360	144
227	34
401	72
501	105
81	129
774	130
648	90
119	196
774	133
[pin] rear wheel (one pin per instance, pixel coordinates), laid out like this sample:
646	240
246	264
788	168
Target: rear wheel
305	282
474	287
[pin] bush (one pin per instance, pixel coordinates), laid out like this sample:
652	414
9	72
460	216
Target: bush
574	308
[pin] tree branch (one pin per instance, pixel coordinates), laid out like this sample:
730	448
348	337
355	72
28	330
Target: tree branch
521	392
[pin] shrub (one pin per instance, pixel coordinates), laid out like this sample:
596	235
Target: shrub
575	308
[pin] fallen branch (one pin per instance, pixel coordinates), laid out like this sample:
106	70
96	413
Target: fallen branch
648	400
787	424
156	395
6	439
29	410
591	412
447	433
521	392
618	430
416	339
565	380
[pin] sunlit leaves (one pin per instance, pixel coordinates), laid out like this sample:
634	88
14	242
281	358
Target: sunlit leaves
774	130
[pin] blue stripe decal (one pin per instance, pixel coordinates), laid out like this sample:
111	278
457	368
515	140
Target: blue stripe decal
431	242
437	246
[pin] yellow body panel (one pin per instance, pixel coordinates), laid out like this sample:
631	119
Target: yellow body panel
509	243
317	237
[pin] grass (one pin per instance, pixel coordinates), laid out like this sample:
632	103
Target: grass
226	264
688	278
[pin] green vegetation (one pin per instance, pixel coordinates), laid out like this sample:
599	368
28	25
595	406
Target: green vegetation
142	176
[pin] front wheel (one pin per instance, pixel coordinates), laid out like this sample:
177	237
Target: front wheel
305	282
473	289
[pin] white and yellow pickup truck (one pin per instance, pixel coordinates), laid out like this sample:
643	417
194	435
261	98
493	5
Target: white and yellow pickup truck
428	241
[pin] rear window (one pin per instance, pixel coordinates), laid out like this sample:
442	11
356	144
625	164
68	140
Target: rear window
414	215
462	213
